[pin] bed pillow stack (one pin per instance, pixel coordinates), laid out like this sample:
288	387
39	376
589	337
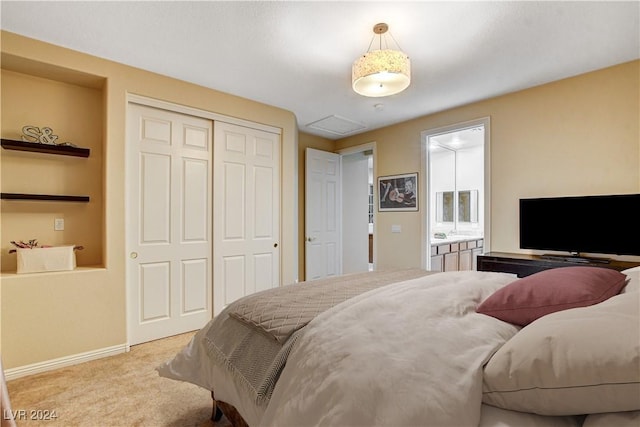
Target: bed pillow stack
532	297
583	360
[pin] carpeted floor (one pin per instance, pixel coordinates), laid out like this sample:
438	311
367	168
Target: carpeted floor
119	391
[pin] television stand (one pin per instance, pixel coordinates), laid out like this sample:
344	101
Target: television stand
525	264
576	258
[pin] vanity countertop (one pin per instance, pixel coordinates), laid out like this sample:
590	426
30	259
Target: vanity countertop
454	239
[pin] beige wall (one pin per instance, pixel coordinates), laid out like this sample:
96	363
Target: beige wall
305	141
576	136
53	315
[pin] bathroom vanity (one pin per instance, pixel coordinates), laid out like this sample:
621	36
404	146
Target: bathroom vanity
455	253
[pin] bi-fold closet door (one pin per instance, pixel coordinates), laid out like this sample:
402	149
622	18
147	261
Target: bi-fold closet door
202	218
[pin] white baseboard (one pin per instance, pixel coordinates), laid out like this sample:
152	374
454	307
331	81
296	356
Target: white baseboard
49	365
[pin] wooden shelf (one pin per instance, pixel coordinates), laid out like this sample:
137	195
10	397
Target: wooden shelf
63	150
43	197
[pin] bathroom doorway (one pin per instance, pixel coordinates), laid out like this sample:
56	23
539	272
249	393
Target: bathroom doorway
457	182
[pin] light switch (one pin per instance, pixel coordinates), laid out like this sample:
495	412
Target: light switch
395	228
58	224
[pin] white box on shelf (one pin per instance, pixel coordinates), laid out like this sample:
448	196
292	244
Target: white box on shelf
38	260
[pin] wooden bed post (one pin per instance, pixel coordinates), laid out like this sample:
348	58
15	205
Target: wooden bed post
229	411
216	413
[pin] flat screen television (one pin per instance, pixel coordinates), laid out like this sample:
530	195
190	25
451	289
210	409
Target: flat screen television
607	224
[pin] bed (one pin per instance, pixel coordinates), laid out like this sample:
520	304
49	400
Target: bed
415	348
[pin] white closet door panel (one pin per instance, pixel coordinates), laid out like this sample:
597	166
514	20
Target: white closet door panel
235	283
155	129
155	290
233	208
235	143
263	266
265	149
196	137
195	192
331	213
194	286
263	201
155	203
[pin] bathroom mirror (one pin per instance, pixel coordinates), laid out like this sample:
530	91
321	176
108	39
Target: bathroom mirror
444	206
468	206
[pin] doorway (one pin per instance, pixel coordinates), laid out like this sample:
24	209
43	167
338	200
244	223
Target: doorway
358	208
457	221
339	214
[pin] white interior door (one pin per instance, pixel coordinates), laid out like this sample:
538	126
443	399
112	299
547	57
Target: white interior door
323	214
247	212
168	223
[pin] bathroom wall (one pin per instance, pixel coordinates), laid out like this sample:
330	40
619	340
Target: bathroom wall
457	171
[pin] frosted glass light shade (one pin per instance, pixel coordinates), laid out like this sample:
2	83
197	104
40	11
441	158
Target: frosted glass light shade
381	73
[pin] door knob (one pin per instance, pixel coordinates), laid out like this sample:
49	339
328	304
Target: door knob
310	239
133	255
275	245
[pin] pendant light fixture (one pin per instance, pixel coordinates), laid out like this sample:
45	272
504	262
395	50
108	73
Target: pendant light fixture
381	72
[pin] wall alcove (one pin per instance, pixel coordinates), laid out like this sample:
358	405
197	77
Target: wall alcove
41	182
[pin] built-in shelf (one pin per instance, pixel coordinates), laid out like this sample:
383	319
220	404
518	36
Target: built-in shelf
43	197
63	150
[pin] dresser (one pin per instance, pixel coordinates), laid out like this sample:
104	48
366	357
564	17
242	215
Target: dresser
525	265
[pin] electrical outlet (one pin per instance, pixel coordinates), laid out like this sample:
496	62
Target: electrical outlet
58	224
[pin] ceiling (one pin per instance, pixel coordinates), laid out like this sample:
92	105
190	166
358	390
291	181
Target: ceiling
463	139
298	55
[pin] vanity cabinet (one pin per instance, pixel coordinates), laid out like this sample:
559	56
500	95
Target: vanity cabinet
456	256
437	262
475	253
444	257
451	261
465	261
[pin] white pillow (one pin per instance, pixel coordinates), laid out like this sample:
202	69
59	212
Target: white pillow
617	419
490	416
578	361
633	285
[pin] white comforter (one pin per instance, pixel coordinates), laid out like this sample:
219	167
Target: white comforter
408	354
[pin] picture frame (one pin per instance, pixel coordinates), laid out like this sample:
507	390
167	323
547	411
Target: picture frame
398	193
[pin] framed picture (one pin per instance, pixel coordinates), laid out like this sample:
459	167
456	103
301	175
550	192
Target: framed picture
398	192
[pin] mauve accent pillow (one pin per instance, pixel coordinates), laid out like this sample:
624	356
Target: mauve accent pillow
527	299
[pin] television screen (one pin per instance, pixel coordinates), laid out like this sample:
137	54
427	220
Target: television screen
595	224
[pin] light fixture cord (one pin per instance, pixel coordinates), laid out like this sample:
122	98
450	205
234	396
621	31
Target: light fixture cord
386	43
394	40
370	43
